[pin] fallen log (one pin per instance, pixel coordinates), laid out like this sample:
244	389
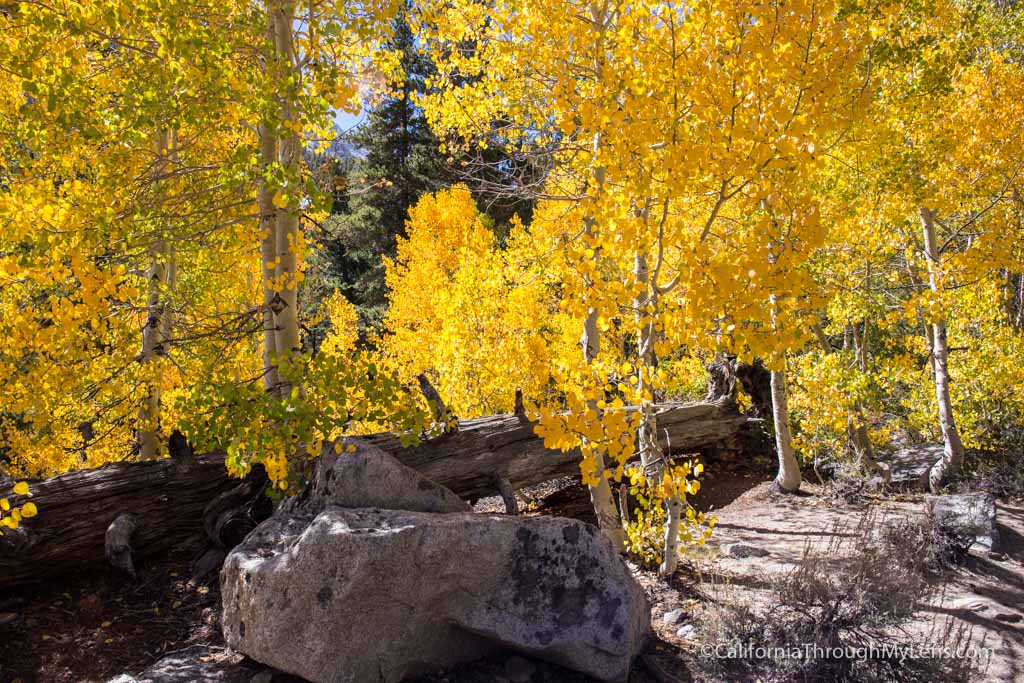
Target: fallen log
469	460
177	498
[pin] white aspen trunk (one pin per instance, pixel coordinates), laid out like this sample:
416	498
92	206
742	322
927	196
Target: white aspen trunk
788	478
652	458
157	327
268	255
268	227
287	238
953	448
170	282
608	518
149	411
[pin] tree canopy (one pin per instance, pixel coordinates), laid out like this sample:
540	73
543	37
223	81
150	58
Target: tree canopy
579	203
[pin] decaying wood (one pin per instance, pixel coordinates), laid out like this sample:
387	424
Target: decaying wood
520	407
76	509
436	403
757	384
118	542
230	516
467	461
508	496
176	498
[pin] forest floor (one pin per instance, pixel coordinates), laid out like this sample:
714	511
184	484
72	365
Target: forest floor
96	627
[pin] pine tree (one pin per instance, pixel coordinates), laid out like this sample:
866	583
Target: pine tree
401	163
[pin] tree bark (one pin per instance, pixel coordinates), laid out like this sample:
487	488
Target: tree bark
788	478
157	327
608	518
268	254
756	382
953	448
288	237
652	458
174	499
268	228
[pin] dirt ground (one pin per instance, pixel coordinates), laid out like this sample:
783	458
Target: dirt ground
96	627
986	594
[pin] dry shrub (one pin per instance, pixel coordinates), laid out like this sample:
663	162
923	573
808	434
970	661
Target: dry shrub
846	486
843	610
1000	473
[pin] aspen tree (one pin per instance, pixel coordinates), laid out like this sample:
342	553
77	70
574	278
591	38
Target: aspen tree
158	325
697	114
953	448
608	517
268	227
287	232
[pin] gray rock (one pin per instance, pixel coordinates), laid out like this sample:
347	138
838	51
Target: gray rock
970	604
909	466
196	664
875	484
370	478
742	550
364	596
206	566
686	632
673	617
968	515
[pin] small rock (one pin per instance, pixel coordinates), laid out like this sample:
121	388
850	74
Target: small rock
674	617
519	670
972	605
686	632
827	470
875	484
1009	617
8	618
195	663
355	474
742	550
206	566
968	515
